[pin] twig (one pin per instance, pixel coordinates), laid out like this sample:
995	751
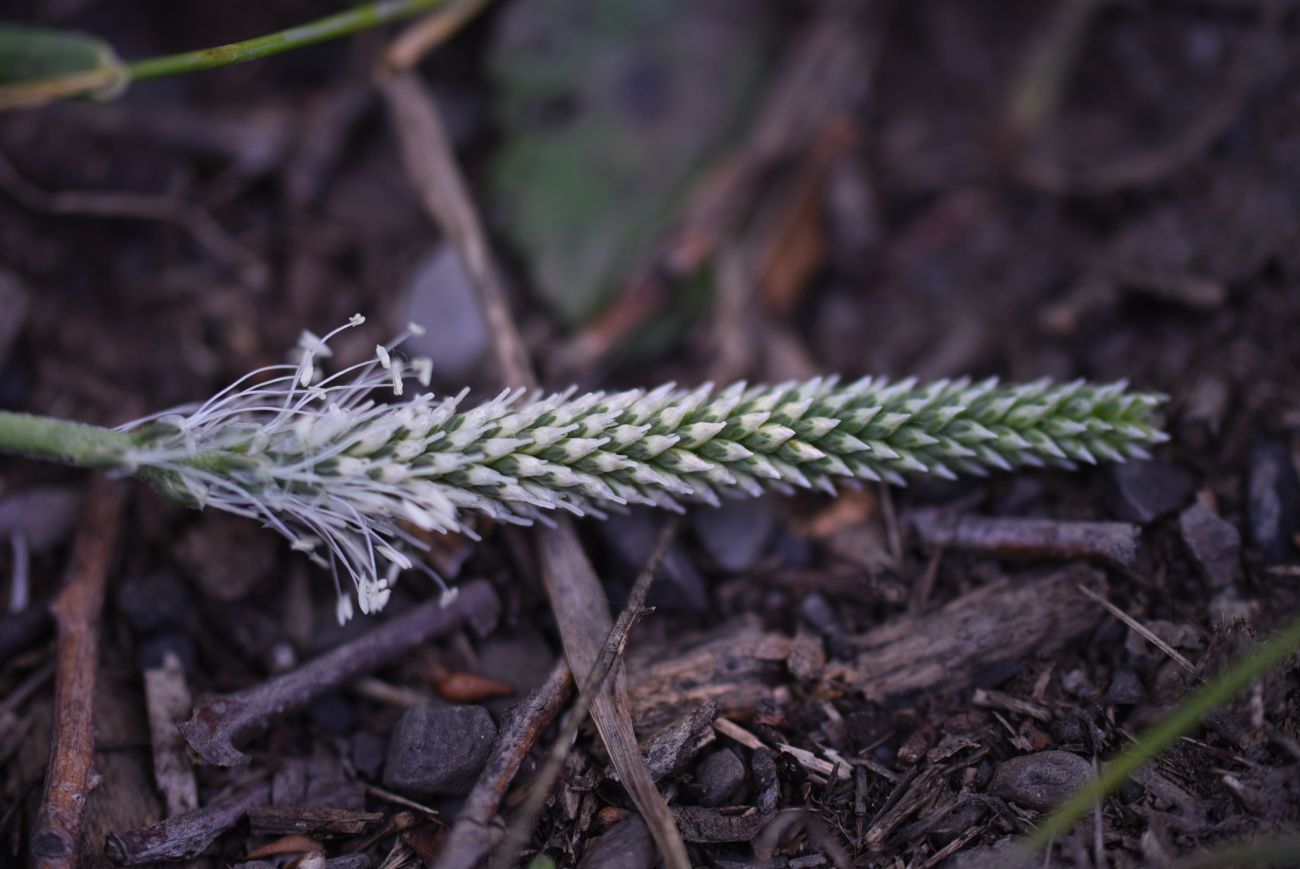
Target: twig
221	721
202	227
1142	629
610	653
313	821
577	598
429	32
427	152
471	838
1113	543
735	732
77	611
399	800
184	837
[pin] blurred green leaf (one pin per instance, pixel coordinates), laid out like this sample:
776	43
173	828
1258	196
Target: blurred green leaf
39	64
606	112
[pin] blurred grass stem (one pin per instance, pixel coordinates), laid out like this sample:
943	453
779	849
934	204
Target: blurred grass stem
1187	716
73	443
345	23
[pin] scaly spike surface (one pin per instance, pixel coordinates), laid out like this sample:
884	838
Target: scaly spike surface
346	477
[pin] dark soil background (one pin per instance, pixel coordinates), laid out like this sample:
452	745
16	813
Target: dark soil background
1073	189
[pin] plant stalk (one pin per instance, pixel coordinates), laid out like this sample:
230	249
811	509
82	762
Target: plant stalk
330	27
60	440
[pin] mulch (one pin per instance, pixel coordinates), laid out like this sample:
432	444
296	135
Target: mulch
907	677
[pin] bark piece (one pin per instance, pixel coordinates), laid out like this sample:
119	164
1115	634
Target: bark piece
1112	543
184	836
313	822
673	748
947	649
737	665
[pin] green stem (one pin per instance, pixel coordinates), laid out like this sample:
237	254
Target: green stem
330	27
1188	715
59	440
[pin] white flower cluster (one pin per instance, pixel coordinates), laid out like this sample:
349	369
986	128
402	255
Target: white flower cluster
348	478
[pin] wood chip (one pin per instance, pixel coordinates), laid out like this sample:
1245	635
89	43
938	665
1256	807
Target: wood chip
317	823
168	701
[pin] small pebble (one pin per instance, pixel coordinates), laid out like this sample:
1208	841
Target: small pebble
1006	853
155	601
1213	543
1273	501
626	845
720	776
349	861
152	653
1145	491
631	539
1125	689
735	534
367	752
227	555
1040	781
44	515
438	751
522	659
441	299
332	714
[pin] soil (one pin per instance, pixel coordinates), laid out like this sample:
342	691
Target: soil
859	681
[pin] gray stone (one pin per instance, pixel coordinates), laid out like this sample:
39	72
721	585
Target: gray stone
438	751
1040	781
44	515
522	659
227	555
1273	501
13	301
1006	853
1213	542
1145	491
155	601
441	299
153	652
349	861
367	752
626	845
735	534
332	714
720	776
631	538
818	612
1125	689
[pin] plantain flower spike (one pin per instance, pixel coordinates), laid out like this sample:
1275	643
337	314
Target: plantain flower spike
349	478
